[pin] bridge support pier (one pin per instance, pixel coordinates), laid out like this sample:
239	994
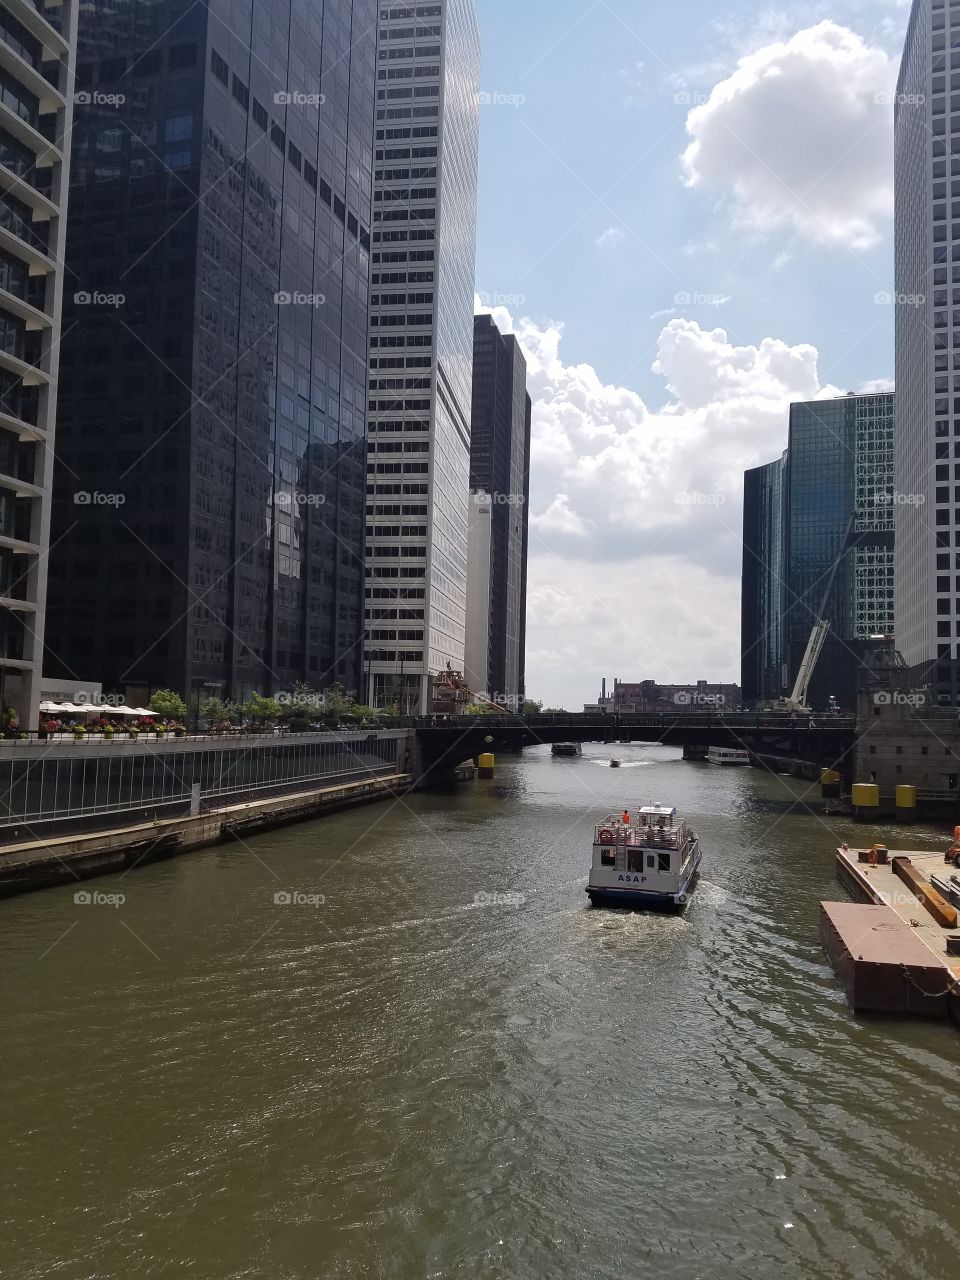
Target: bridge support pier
695	752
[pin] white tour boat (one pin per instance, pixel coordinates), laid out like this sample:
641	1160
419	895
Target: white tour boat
647	859
728	755
567	749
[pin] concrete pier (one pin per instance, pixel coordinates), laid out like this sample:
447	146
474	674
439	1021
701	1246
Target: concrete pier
891	949
41	864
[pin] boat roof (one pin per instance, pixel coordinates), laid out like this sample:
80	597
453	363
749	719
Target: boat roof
658	810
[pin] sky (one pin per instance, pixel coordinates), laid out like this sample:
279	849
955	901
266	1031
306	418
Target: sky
685	216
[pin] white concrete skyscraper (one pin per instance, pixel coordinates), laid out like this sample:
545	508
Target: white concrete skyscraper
927	462
421	347
37	52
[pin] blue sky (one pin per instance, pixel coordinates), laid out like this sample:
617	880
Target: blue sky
615	259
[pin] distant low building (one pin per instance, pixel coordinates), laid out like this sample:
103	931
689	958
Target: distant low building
649	697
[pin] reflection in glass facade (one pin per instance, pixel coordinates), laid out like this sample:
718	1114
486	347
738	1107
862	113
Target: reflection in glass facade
818	542
927	235
37	48
421	347
499	481
761	649
215	361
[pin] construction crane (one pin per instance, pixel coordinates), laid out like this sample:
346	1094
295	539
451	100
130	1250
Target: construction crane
797	699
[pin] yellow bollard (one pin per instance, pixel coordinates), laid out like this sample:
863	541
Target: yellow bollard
906	803
866	801
829	783
485	763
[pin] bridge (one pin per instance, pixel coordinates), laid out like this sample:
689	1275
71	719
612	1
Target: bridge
825	740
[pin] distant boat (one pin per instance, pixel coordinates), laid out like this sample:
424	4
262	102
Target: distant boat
650	859
567	749
614	764
728	755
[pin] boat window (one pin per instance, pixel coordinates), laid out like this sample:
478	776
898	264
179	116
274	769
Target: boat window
608	857
664	860
651	860
634	861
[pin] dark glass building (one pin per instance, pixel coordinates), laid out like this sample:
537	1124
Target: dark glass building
762	674
208	519
818	543
500	487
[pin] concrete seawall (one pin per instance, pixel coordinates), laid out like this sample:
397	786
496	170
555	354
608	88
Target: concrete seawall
68	859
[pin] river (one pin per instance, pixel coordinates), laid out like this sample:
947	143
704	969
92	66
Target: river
453	1067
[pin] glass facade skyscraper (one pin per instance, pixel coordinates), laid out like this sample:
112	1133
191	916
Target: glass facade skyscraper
927	234
421	347
500	481
210	487
818	543
37	48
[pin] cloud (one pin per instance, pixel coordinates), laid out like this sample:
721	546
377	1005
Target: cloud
636	510
799	138
612	238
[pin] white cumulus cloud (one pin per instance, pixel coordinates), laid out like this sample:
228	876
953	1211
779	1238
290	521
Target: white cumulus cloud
636	511
799	138
612	238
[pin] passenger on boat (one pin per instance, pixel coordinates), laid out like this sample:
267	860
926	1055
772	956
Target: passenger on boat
626	818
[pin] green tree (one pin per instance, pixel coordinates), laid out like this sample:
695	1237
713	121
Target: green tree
216	710
554	711
337	703
362	712
168	704
260	707
531	707
478	709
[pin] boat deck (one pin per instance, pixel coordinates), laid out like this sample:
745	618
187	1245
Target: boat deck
888	950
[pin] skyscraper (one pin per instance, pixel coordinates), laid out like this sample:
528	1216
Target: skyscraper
421	347
209	513
37	50
927	468
818	543
499	484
